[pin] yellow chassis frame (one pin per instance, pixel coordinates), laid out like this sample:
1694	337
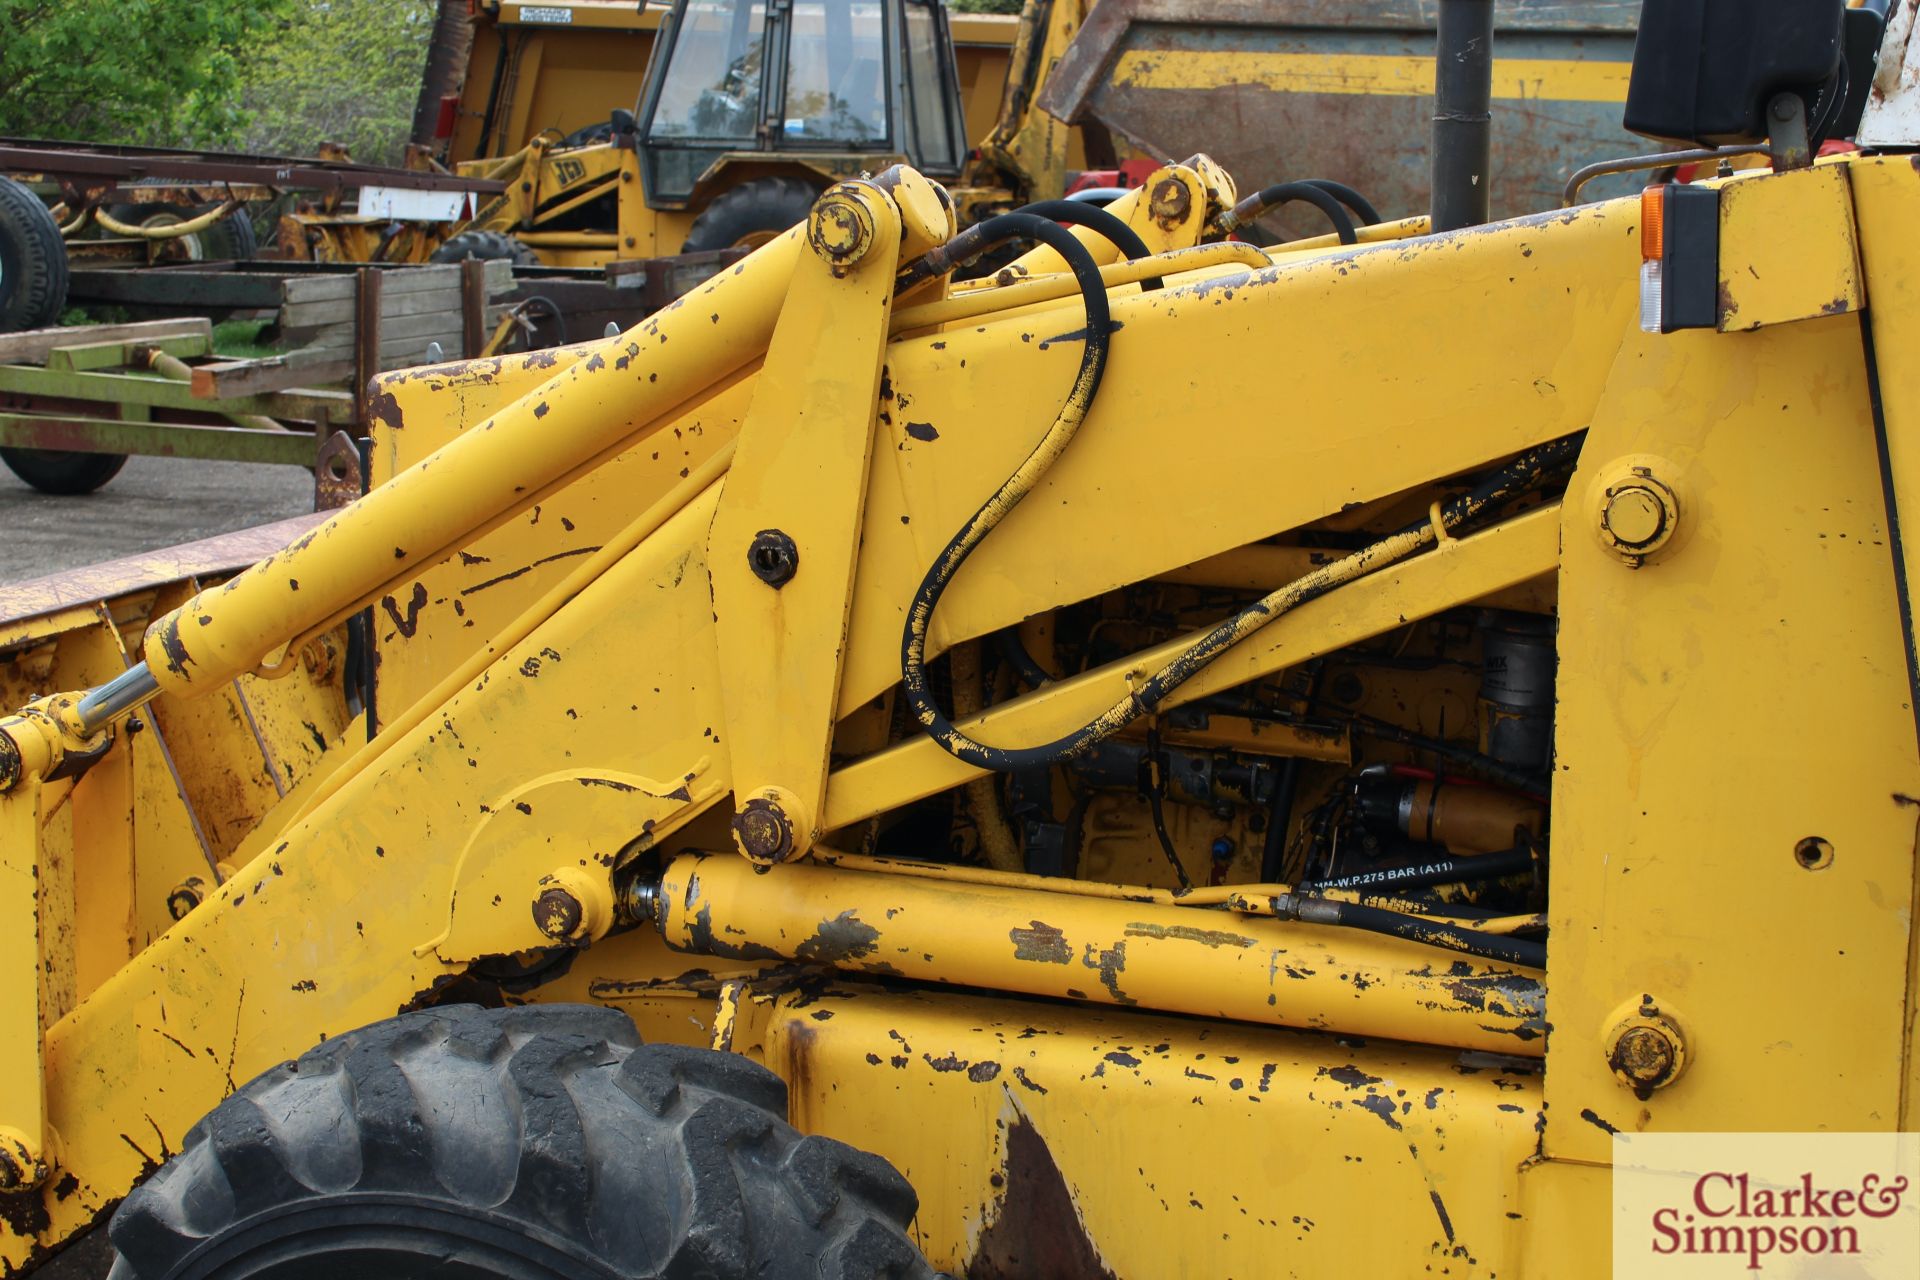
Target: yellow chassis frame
1199	1082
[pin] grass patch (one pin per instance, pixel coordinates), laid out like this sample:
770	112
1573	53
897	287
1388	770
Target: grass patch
240	340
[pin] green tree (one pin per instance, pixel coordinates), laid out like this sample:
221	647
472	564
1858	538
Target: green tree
162	72
344	71
987	6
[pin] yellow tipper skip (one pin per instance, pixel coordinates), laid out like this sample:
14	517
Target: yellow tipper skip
1177	758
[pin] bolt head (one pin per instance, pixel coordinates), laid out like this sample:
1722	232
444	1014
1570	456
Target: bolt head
1645	1047
1644	1056
557	913
1635	516
1170	200
20	1165
764	831
185	897
840	229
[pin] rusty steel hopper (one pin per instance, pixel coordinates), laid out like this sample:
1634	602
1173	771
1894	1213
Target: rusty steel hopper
1343	89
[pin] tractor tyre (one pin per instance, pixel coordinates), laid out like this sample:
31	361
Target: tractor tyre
751	214
487	246
232	239
33	261
536	1143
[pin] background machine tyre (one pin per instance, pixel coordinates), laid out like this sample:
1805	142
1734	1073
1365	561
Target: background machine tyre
33	261
33	293
751	214
488	246
529	1143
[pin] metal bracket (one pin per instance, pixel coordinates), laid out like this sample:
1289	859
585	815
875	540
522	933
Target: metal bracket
786	537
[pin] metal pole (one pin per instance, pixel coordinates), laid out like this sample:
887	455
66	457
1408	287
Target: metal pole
1462	114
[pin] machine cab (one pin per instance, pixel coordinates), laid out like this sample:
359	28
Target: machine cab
819	81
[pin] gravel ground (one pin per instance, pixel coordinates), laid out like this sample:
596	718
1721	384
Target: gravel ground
153	502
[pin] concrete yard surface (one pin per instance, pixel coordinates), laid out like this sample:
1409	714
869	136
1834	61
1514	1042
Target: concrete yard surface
153	502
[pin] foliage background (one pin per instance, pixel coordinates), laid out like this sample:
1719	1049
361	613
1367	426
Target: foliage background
258	75
272	76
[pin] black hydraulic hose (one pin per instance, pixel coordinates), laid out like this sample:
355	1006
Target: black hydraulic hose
1346	195
1015	655
1096	340
1080	213
1313	193
1505	482
982	236
1450	934
1464	870
1466	758
1273	845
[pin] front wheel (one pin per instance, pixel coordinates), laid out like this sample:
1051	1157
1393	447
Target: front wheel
751	214
537	1143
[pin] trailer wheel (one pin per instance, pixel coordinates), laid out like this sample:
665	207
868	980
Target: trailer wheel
63	472
751	214
33	261
487	246
527	1143
232	239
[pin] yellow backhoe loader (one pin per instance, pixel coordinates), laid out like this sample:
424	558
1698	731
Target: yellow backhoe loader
1183	758
746	113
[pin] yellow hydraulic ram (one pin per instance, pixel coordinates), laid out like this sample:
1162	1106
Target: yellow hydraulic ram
593	409
1103	950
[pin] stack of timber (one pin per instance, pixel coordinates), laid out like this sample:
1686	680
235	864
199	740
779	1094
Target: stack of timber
316	306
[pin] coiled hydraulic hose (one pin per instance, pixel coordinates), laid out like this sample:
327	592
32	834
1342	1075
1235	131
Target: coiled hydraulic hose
991	233
1506	482
1313	193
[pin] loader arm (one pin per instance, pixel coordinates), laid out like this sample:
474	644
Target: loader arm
652	755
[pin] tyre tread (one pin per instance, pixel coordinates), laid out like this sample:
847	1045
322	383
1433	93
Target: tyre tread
734	1190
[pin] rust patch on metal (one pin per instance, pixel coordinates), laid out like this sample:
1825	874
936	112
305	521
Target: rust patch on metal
1041	942
384	407
1037	1231
415	603
1187	933
1110	963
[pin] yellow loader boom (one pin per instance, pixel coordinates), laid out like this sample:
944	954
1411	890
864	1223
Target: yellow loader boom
1177	758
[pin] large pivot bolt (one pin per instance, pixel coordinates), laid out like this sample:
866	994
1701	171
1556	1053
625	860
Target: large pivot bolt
840	229
21	1166
1638	513
573	906
186	895
771	826
1645	1047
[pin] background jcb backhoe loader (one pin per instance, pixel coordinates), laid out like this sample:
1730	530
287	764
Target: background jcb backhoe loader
1181	759
745	114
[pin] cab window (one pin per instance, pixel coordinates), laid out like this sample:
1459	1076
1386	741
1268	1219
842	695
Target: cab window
836	85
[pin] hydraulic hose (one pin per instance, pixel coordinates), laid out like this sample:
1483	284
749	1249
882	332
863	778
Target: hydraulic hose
1024	665
992	232
1504	483
1313	193
1362	207
1452	935
1464	870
